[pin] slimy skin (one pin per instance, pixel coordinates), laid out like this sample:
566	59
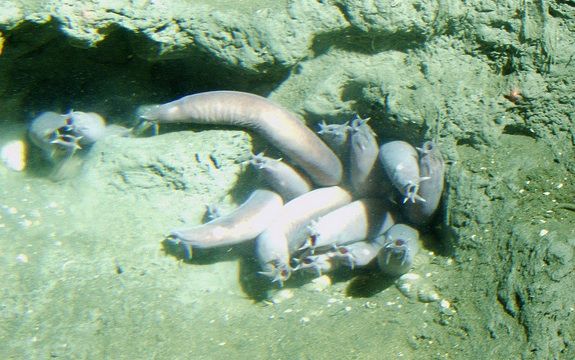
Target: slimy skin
279	126
281	177
362	157
336	137
400	162
89	126
321	263
359	220
43	132
50	132
399	245
287	233
359	253
432	167
354	255
242	224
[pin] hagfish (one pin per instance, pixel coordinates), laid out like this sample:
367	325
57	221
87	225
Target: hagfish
359	253
279	126
400	162
363	157
44	131
359	220
336	137
244	223
281	177
399	245
89	127
431	167
286	234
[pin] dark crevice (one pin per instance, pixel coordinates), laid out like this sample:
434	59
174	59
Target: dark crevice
373	42
112	78
518	129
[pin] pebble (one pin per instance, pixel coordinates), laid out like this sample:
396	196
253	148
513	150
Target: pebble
13	155
414	286
318	284
281	296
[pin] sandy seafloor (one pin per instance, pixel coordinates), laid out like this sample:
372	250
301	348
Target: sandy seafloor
84	275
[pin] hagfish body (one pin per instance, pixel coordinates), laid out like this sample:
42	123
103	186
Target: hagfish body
281	177
359	220
242	224
363	157
432	169
287	233
400	162
279	126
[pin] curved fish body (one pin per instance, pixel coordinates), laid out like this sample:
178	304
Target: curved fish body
363	157
242	224
88	126
281	177
43	132
357	221
336	136
287	233
359	253
432	169
279	126
401	164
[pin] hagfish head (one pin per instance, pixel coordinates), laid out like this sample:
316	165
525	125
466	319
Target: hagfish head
276	270
400	245
89	127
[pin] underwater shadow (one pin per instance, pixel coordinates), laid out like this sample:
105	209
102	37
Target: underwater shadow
369	282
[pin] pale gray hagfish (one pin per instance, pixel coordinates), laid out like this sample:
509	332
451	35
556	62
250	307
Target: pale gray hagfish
336	137
60	136
432	169
321	218
281	177
276	244
399	245
353	255
280	127
362	157
400	162
395	250
359	220
244	223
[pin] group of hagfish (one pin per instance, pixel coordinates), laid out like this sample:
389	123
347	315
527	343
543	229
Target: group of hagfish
319	218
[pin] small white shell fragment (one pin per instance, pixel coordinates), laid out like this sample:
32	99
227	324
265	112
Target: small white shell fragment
427	293
543	232
22	258
444	304
407	284
414	286
13	155
281	296
319	284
